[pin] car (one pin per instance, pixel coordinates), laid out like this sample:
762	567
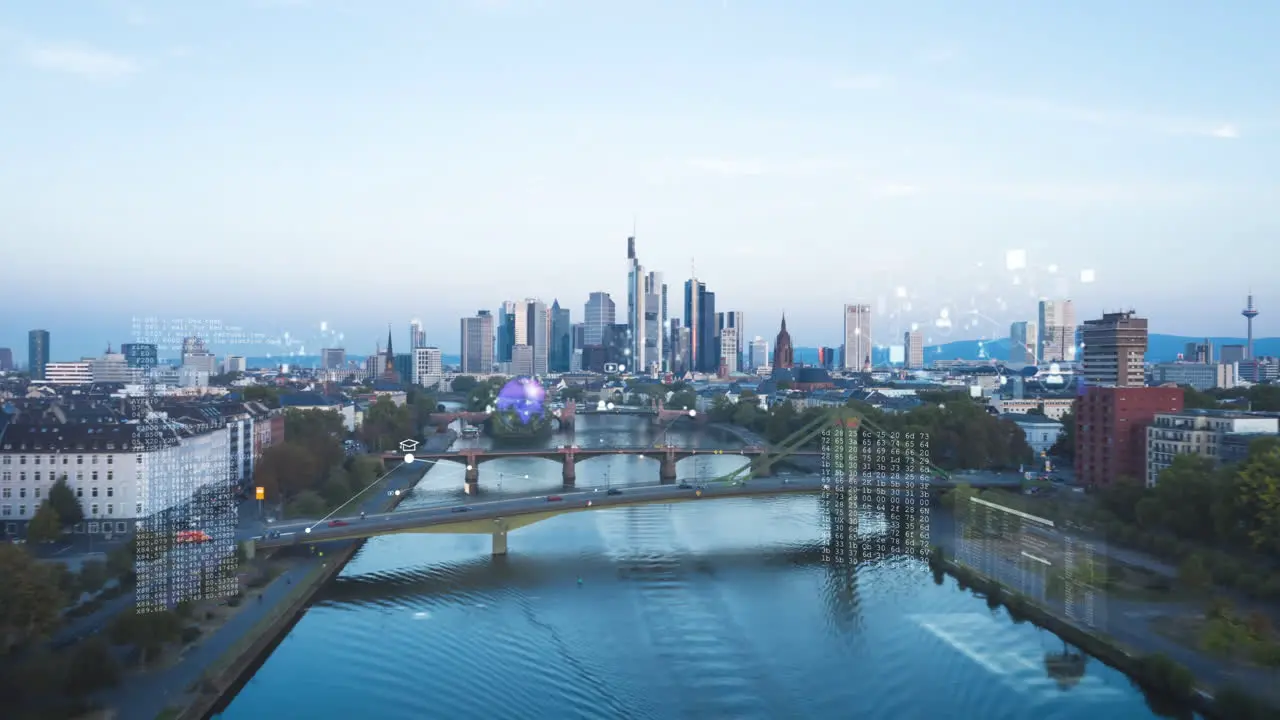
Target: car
685	486
614	491
463	508
554	498
338	523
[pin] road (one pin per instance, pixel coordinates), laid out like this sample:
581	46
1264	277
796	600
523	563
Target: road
347	528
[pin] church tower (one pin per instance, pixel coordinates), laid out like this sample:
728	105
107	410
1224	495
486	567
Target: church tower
783	355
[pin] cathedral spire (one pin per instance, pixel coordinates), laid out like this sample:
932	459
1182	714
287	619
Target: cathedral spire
784	321
391	357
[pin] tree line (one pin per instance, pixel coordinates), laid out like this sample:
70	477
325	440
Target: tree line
310	473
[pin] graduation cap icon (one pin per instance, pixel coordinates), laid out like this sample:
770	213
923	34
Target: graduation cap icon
408	445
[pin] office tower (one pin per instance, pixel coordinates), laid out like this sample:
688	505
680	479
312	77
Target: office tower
417	337
682	349
1114	350
662	325
477	343
783	354
728	351
654	294
857	338
196	357
6	359
522	360
37	353
140	355
427	366
1231	353
231	364
561	352
759	355
537	333
731	319
637	294
1199	352
1024	341
598	314
1057	329
913	349
710	360
330	358
693	304
506	331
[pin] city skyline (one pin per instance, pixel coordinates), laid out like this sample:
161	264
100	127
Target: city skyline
752	157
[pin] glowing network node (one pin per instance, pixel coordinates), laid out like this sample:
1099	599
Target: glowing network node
609	406
408	458
1087	276
1015	259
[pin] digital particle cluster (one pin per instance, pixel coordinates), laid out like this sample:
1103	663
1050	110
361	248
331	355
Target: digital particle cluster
1059	567
169	335
876	488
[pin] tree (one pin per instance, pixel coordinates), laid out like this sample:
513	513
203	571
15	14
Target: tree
121	561
93	575
91	667
1259	483
337	489
64	501
45	525
1193	399
267	395
463	384
1184	496
684	399
147	631
307	504
1065	446
386	424
1194	574
285	470
29	598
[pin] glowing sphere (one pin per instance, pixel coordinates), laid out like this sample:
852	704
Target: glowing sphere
522	396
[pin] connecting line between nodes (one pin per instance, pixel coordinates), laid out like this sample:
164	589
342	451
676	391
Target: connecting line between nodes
379	479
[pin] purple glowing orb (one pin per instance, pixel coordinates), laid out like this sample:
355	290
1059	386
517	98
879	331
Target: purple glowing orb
522	396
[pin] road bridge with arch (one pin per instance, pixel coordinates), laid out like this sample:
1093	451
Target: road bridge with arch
566	417
499	517
762	460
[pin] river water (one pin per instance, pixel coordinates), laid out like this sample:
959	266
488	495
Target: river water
721	609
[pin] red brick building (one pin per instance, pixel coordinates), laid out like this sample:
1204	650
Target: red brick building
1111	436
267	431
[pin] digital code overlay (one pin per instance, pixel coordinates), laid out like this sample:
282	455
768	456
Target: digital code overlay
1061	568
186	513
876	488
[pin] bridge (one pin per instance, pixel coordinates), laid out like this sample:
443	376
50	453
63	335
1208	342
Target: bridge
500	517
569	455
566	416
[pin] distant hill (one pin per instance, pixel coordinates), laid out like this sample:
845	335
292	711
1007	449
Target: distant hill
1160	348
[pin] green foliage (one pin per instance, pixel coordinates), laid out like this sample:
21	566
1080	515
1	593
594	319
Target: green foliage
1193	399
91	667
1163	674
386	424
64	501
265	394
93	575
307	504
29	598
337	489
485	394
121	561
1194	573
464	384
1065	446
147	631
45	525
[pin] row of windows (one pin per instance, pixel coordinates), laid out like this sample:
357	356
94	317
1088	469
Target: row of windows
66	459
107	528
7	476
94	509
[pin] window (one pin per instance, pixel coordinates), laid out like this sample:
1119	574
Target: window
37	493
79	492
22	492
7	476
22	510
139	459
119	527
111	492
95	460
94	491
79	459
93	526
65	458
111	474
6	493
93	511
22	459
138	509
95	476
6	510
37	476
8	460
35	460
111	509
22	476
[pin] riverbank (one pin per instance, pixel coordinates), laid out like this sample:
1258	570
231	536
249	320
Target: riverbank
209	672
1129	643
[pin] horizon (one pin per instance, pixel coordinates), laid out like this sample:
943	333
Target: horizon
452	155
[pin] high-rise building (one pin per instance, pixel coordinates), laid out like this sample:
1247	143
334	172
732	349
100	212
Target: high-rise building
655	291
506	331
196	357
693	291
417	337
1115	349
728	351
37	353
537	333
857	338
681	347
522	360
1231	353
140	355
759	353
428	366
599	313
6	359
828	358
637	297
913	350
1057	328
730	319
1199	352
561	353
710	359
231	364
783	354
477	343
1024	341
331	358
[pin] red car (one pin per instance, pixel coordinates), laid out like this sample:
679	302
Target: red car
338	523
554	498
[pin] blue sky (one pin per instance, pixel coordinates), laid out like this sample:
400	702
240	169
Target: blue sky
277	163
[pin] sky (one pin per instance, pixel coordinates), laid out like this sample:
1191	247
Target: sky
276	164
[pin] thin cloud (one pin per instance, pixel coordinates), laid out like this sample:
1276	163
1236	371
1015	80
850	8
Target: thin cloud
755	167
728	167
897	190
81	60
1226	132
1152	124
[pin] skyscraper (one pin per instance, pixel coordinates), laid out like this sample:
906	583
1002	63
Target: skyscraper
598	315
654	294
1057	329
1024	343
417	338
37	353
728	351
477	343
506	331
693	304
759	352
913	350
330	358
637	294
561	351
857	338
538	333
1115	349
731	320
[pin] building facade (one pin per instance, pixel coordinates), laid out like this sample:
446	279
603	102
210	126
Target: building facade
783	353
37	353
1201	376
1115	348
1197	432
1057	329
857	338
1024	341
1111	430
478	343
427	366
913	350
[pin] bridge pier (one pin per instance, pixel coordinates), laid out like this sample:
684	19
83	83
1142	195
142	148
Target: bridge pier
569	471
471	488
667	470
499	542
473	472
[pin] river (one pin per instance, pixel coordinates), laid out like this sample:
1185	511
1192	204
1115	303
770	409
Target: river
699	610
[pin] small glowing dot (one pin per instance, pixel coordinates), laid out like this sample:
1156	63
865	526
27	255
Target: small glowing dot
408	458
609	406
1087	276
1015	259
693	413
470	468
1053	269
901	292
308	530
397	492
